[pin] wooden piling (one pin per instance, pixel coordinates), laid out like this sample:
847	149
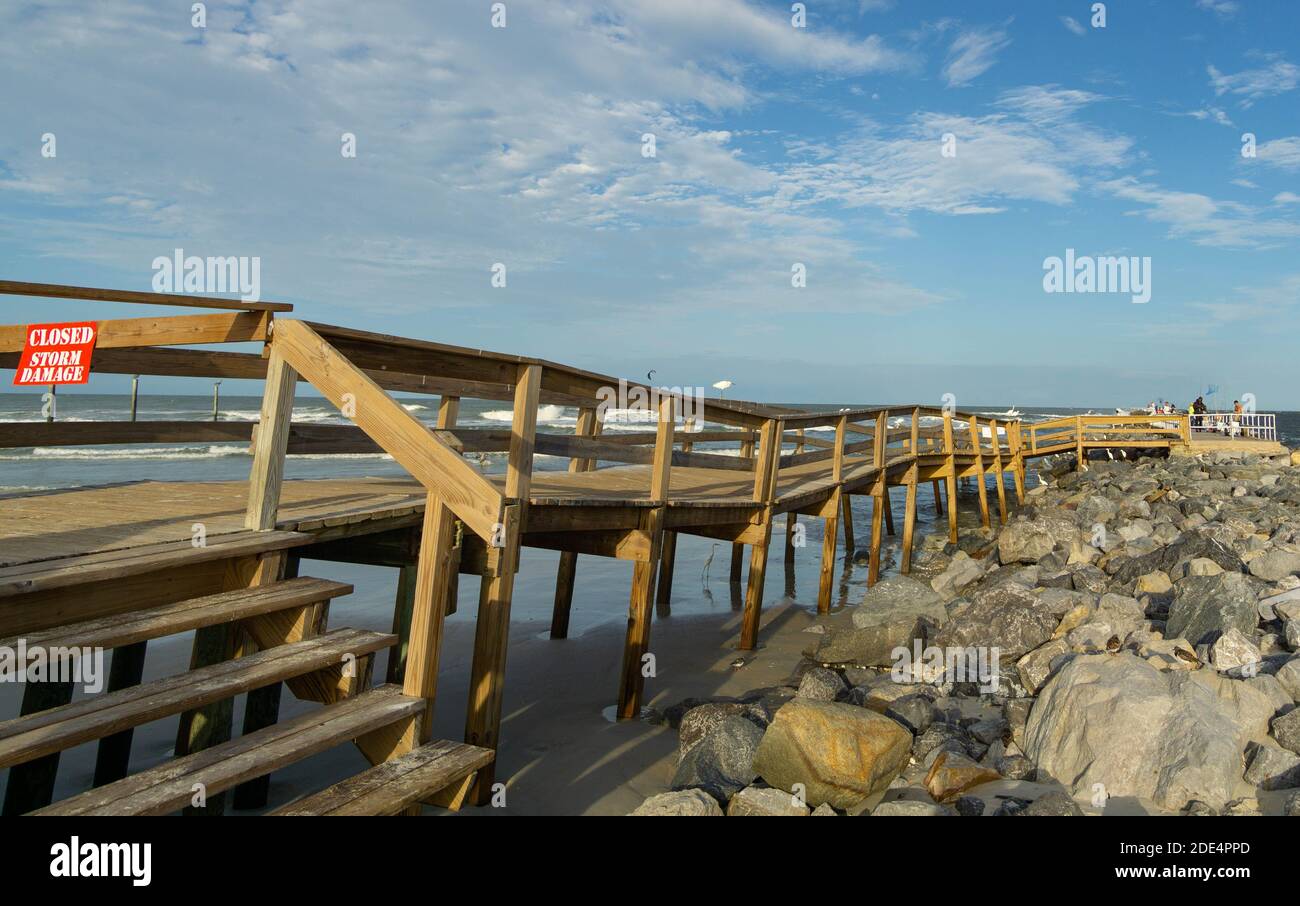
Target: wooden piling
637	643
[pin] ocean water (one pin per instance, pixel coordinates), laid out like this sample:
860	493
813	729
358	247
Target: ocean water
23	470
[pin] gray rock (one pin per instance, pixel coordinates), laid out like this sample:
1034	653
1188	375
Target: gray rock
1192	545
1291	806
722	762
1169	737
1233	650
911	807
763	801
899	598
1205	606
989	730
1197	809
969	806
1016	767
1008	619
1286	730
820	684
1288	675
916	712
680	803
1272	767
1273	565
1023	541
961	573
700	719
1053	803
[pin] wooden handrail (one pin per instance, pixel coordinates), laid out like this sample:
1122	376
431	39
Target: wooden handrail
472	497
94	294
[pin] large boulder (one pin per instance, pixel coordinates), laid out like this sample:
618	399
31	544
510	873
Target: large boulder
840	753
1168	737
1274	565
1010	618
1191	546
722	762
1206	606
1023	541
899	599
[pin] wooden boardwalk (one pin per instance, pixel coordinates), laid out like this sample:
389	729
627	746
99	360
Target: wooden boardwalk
101	562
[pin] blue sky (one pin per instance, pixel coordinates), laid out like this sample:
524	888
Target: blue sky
773	145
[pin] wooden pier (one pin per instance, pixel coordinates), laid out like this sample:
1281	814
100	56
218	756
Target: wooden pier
114	567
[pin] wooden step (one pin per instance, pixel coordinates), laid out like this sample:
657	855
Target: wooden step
195	613
389	788
56	729
60	572
170	787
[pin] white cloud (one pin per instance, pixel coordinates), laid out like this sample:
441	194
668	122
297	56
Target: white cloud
1222	7
1283	153
1278	77
1073	25
1214	114
1286	198
972	54
1203	220
1033	149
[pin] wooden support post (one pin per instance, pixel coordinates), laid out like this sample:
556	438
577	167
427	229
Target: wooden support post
113	757
951	478
1080	464
448	412
981	481
889	513
938	498
846	508
31	784
667	556
432	585
765	475
828	536
492	629
637	642
403	607
880	497
737	549
262	709
909	501
792	518
997	470
589	425
664	591
270	443
909	519
1017	461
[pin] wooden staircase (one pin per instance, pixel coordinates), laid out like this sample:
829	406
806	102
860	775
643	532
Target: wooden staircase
281	627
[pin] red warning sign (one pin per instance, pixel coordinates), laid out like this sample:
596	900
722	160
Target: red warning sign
56	354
